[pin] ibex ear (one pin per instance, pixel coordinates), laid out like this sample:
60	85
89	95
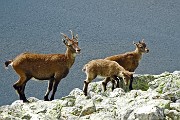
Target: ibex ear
134	43
65	41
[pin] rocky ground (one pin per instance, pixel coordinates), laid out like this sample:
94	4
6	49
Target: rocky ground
156	97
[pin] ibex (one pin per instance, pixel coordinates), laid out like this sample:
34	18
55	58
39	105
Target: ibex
52	67
104	68
128	60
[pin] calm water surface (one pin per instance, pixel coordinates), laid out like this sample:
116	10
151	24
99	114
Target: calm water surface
105	28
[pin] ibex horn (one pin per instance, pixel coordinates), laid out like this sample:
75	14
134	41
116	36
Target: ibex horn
64	35
72	34
142	41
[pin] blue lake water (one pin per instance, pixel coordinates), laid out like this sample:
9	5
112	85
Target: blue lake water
105	28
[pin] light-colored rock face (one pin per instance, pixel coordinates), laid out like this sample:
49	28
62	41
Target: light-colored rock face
160	101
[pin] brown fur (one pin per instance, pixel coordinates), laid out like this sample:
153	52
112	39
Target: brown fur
129	60
104	68
52	67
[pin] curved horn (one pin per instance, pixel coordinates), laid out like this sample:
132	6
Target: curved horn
76	37
65	36
72	34
62	34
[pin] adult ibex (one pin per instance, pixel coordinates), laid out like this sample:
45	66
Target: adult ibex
52	67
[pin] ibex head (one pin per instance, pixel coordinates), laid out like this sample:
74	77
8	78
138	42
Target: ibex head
71	43
127	76
141	46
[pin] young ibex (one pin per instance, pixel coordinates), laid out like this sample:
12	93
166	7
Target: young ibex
104	68
128	60
52	67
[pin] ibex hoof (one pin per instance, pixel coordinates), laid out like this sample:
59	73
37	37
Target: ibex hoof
46	99
130	88
85	93
26	101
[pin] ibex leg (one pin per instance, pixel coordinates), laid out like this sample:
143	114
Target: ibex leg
55	85
105	81
19	86
130	85
50	85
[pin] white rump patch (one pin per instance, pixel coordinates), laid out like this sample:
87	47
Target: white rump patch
11	64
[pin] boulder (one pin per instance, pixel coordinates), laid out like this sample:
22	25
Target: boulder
149	112
154	97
